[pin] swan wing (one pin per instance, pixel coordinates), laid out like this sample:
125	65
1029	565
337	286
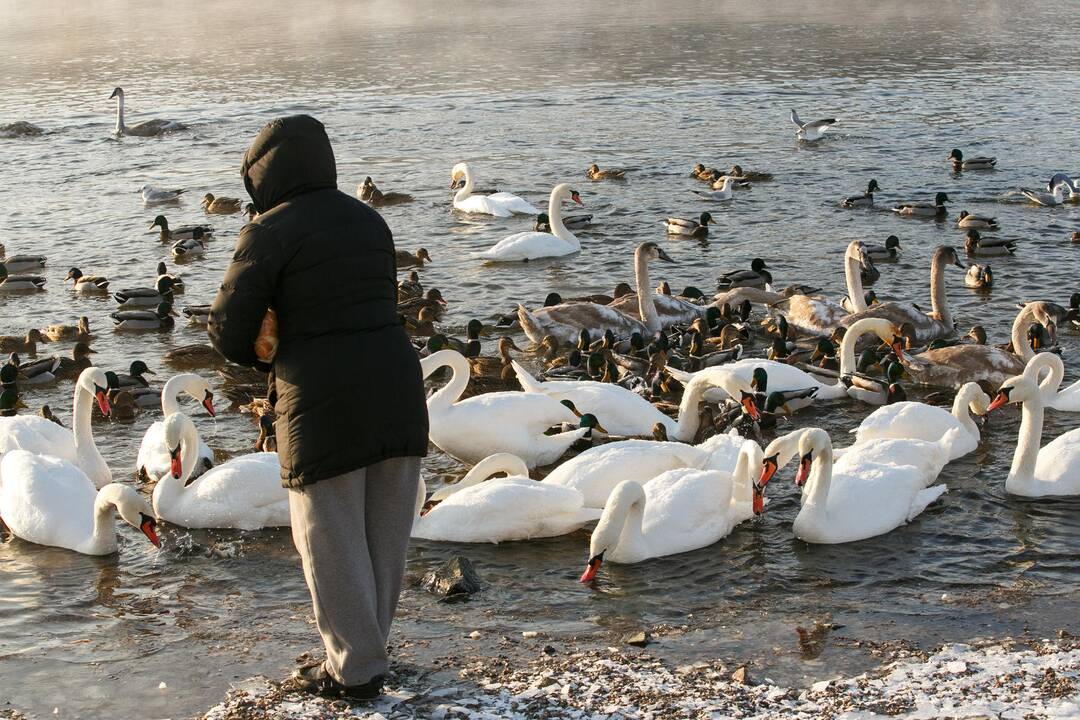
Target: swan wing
1057	468
528	246
46	500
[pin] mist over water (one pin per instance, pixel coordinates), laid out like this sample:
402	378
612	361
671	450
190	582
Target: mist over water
530	94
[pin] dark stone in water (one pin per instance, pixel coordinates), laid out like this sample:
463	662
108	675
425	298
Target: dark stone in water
639	639
455	578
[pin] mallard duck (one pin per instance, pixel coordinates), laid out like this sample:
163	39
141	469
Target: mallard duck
976	163
407	259
134	376
864	200
493	374
432	299
70	368
158	319
249	211
197	314
979	276
47	413
594	173
20	128
26	344
179	233
757	276
79	331
979	222
410	288
35	372
147	297
19	283
368	192
724	192
147	128
977	246
702	173
570	222
21	263
122	406
423	324
160	196
924	209
1075	237
737	172
221	205
869	298
190	247
177	281
811	131
193	356
692	228
87	284
888	252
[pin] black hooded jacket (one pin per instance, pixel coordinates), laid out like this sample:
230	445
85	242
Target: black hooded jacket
349	388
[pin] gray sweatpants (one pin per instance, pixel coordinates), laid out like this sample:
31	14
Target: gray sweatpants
352	532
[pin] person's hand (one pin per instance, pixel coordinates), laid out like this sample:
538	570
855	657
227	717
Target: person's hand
267	342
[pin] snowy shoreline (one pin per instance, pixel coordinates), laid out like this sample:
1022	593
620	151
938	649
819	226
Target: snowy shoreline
1002	679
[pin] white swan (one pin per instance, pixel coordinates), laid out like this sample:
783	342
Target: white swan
154	460
678	511
566	320
783	377
533	245
598	470
1055	469
243	494
919	421
815	315
513	422
623	412
668	309
44	437
1067	400
499	204
147	128
479	508
954	365
49	501
859	501
928	326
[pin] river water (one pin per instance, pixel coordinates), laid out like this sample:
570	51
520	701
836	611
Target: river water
530	94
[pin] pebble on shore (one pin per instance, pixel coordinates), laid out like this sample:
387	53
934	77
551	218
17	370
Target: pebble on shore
995	680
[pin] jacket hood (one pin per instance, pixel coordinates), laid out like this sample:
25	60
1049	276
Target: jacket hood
289	157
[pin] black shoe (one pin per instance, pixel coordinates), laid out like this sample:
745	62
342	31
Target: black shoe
315	680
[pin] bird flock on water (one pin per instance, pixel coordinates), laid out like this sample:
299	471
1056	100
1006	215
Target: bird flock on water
646	414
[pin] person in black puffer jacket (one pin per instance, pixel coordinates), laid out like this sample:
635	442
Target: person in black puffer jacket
351	415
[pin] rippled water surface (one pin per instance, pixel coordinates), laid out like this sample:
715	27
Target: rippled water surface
530	94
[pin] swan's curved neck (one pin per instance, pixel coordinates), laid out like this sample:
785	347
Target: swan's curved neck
449	393
851	339
170	394
1052	382
555	219
623	525
689	416
817	494
961	408
750	457
1023	322
169	490
464	193
509	465
938	301
853	277
1027	448
103	538
646	306
85	449
120	113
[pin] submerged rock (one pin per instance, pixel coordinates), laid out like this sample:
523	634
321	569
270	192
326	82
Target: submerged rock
455	578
